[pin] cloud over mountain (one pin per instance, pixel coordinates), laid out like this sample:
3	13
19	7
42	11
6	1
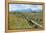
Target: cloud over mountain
24	8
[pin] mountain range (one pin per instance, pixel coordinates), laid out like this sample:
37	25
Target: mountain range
26	10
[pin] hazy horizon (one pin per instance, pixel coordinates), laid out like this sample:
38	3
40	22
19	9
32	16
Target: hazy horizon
24	8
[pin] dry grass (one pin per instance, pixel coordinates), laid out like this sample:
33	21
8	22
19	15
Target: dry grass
18	22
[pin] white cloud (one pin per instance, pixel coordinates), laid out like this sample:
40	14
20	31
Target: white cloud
23	6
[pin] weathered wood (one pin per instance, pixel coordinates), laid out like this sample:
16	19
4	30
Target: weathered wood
33	22
36	23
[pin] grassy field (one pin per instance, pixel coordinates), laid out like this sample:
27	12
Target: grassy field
20	20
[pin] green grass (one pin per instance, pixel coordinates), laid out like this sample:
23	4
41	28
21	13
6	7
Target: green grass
16	20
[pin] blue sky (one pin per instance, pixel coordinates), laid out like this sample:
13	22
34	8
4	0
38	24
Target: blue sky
24	7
